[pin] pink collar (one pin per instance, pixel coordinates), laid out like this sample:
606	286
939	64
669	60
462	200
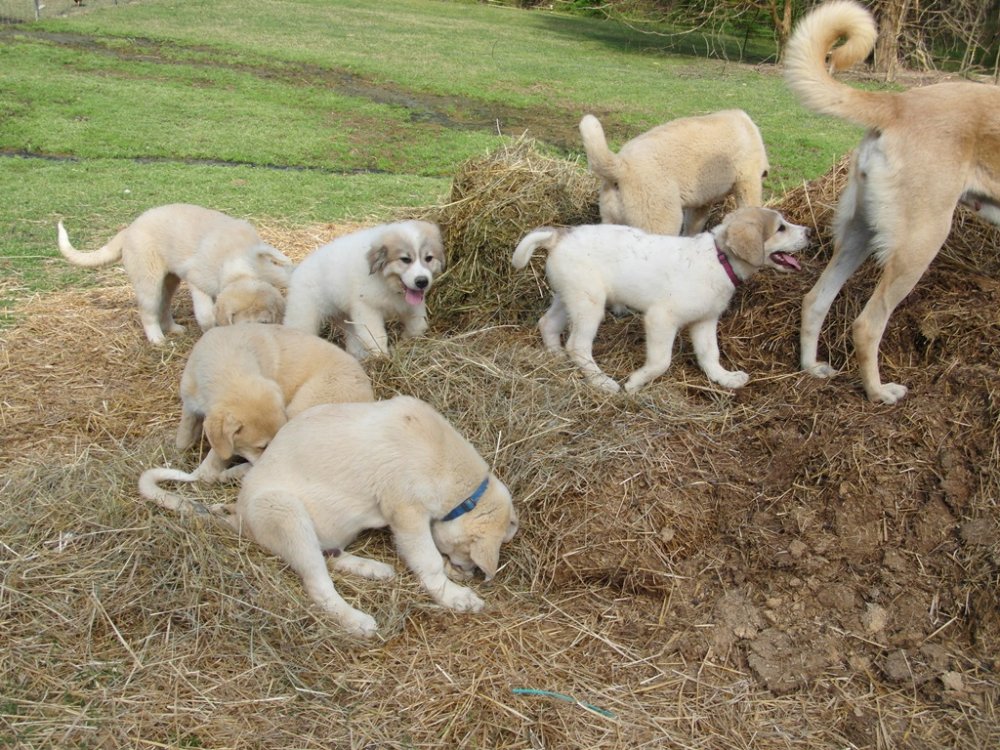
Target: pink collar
727	266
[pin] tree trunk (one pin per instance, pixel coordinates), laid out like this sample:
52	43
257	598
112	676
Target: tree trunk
891	15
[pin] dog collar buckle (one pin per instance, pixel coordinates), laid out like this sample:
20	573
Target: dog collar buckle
728	267
469	503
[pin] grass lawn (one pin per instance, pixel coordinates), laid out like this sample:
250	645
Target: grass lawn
318	110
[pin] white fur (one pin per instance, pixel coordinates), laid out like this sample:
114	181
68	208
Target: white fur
361	280
676	282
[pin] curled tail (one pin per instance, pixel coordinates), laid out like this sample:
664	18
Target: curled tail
544	237
603	162
149	488
809	75
107	254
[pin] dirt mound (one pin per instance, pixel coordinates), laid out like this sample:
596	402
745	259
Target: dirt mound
787	565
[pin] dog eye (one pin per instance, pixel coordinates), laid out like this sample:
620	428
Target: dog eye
406	259
781	228
429	259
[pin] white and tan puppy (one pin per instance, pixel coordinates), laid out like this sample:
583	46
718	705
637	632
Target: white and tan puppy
676	282
361	280
666	180
241	383
927	150
209	250
336	470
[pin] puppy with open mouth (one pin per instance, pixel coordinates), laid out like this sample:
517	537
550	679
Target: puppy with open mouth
675	282
361	280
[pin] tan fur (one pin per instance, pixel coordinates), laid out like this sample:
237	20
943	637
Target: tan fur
666	180
335	470
927	150
208	249
249	301
242	383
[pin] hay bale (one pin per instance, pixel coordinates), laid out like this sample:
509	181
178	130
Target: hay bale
495	200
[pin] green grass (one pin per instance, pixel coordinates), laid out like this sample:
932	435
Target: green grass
299	111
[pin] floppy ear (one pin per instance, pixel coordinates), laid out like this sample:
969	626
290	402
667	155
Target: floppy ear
512	527
745	238
224	312
377	257
221	429
485	553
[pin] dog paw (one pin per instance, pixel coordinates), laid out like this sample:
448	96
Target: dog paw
176	328
356	622
604	383
888	393
736	379
821	370
363	567
461	599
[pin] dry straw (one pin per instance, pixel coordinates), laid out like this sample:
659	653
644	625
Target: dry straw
788	566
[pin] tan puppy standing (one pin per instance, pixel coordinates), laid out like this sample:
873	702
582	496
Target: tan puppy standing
217	255
241	384
666	180
676	282
336	470
927	150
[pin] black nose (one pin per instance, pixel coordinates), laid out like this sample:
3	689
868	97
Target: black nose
421	282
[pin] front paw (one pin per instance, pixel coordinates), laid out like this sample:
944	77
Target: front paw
460	599
356	622
888	393
736	379
820	370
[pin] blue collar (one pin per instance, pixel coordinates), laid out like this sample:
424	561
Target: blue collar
469	503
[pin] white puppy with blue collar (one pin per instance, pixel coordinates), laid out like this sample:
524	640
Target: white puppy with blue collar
338	469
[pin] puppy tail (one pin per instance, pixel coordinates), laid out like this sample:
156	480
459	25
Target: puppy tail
603	162
543	237
808	76
107	254
149	488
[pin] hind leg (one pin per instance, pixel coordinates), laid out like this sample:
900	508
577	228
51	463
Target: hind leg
280	524
553	323
852	245
585	318
906	264
695	218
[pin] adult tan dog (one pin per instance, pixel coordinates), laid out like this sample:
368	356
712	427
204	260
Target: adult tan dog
241	383
217	255
927	150
676	282
362	279
336	470
666	180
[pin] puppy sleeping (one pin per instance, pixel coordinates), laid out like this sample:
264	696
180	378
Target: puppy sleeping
336	470
241	384
362	279
676	282
217	255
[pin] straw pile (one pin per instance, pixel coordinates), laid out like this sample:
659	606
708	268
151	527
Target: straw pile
787	566
495	200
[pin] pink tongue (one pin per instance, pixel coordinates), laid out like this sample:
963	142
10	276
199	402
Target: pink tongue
414	296
788	260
